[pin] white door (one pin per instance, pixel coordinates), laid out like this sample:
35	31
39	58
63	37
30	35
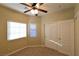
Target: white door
60	36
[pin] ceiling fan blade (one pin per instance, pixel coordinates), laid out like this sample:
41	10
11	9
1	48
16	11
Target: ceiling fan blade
41	3
34	4
25	4
42	10
26	11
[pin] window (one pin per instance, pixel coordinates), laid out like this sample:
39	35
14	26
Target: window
33	31
16	30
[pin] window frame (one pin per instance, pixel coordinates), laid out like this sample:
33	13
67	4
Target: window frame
18	37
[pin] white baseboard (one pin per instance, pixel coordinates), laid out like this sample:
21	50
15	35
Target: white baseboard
23	48
36	46
16	51
58	51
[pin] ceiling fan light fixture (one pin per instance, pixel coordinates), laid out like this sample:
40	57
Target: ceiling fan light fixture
34	8
34	11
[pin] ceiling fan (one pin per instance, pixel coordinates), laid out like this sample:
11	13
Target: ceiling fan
34	7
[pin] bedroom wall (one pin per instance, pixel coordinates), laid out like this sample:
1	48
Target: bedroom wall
35	40
58	16
76	17
65	14
7	14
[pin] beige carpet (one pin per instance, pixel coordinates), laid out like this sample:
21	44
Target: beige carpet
38	51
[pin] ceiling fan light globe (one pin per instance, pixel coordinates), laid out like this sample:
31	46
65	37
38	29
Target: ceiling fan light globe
34	11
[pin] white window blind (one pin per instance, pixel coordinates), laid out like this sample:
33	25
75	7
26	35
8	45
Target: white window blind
33	31
16	30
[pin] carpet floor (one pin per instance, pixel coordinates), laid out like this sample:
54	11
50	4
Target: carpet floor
38	51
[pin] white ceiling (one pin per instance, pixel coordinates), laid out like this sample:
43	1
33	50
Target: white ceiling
50	7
